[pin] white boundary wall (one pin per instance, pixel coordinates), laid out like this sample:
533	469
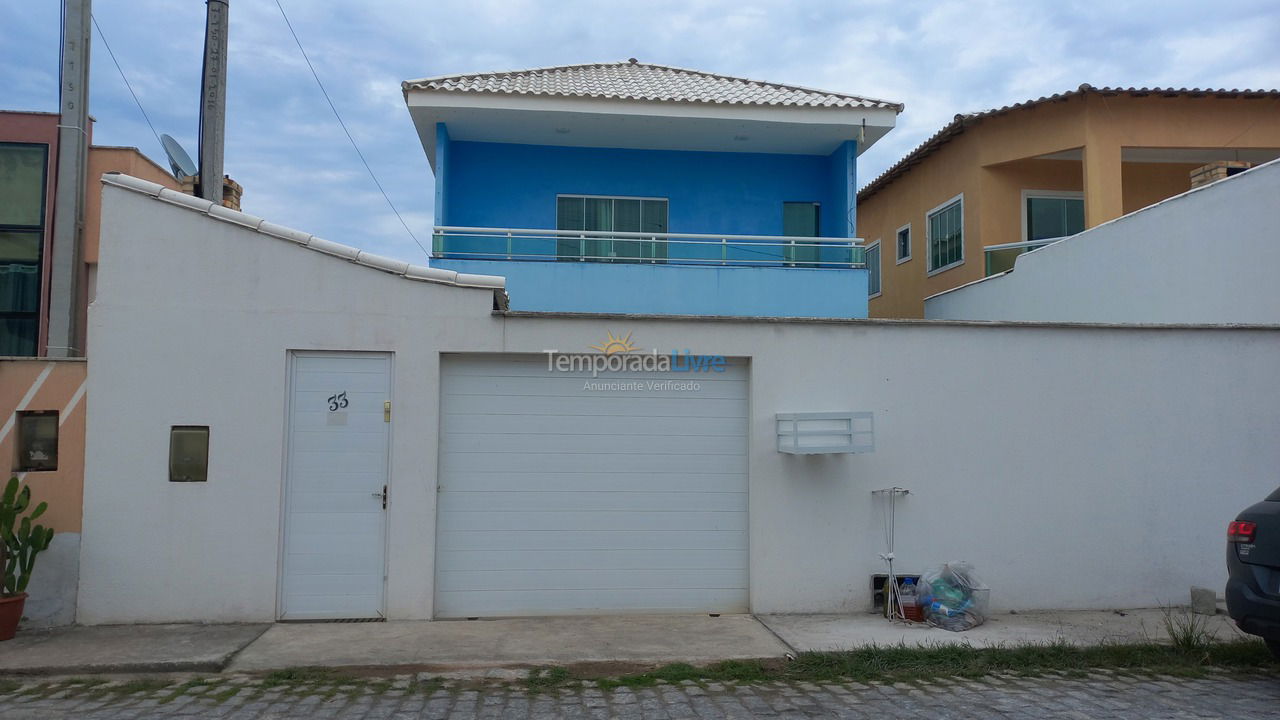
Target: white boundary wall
1210	255
1077	467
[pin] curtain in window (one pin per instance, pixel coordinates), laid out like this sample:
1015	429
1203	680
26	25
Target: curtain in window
627	218
605	214
19	292
570	215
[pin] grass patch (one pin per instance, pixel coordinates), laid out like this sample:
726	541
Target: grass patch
305	676
732	671
546	678
223	696
902	663
1187	631
197	683
426	686
8	687
140	685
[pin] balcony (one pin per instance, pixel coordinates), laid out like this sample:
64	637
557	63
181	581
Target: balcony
663	273
1000	258
463	243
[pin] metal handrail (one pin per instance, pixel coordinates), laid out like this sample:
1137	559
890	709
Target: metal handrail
1024	244
486	231
739	243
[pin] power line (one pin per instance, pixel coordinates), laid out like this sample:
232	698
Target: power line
348	132
123	77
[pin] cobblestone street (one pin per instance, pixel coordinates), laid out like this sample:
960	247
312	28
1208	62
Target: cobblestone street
1095	696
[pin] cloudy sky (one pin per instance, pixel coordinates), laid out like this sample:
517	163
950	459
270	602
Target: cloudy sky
297	168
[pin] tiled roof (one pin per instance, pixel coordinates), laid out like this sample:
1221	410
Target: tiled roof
965	120
633	80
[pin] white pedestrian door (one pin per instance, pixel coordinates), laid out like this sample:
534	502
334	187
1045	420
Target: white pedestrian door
561	493
336	476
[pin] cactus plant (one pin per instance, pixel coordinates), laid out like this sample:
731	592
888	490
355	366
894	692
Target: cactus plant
20	540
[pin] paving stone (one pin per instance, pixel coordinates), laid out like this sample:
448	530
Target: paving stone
1099	695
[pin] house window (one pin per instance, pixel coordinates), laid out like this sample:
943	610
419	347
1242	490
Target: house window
1055	215
904	243
946	235
800	219
873	269
22	211
37	441
611	214
189	453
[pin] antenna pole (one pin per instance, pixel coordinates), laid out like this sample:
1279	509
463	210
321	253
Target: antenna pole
68	208
213	100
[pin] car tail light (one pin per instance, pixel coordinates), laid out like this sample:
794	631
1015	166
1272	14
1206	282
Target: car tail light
1241	531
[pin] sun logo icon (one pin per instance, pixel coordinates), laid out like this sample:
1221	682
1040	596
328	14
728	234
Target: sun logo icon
615	345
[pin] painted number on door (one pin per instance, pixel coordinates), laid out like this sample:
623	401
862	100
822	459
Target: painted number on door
338	402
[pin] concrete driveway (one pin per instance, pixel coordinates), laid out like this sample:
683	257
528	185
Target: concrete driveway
641	639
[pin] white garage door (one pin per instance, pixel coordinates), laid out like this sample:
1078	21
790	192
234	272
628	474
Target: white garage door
557	497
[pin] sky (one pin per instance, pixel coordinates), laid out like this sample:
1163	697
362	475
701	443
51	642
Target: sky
297	168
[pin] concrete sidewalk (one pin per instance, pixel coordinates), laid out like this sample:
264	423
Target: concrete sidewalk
459	645
125	649
1082	627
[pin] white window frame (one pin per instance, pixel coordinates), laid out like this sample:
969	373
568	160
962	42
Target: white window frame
928	240
610	197
910	241
1029	194
879	268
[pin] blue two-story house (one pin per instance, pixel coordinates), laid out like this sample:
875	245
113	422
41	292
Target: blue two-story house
636	188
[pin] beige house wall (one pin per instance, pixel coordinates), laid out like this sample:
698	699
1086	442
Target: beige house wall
35	384
994	159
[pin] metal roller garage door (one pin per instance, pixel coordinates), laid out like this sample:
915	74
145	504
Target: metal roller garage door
559	497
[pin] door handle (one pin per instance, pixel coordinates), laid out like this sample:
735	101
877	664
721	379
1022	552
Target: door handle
382	495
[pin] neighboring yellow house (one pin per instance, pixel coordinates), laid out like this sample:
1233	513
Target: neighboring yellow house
1044	169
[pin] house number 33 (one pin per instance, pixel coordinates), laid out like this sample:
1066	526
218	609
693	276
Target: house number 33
338	402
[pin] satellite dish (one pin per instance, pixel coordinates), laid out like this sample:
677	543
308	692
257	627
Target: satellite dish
179	160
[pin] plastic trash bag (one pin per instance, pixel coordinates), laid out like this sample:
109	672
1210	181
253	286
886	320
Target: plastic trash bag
953	598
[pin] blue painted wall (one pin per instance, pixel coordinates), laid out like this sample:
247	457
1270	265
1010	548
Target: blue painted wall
443	144
840	220
503	185
510	185
676	289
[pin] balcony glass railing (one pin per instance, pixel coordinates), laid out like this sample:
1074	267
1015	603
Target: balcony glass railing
473	243
1000	258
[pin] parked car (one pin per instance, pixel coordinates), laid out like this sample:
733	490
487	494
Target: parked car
1253	565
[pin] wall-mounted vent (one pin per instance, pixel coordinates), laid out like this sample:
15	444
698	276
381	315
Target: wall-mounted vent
817	433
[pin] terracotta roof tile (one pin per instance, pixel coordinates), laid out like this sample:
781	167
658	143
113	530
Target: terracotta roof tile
965	120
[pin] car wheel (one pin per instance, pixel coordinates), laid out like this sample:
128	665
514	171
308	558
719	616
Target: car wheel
1274	647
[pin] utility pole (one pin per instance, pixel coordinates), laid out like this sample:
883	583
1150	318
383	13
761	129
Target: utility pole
73	155
213	100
